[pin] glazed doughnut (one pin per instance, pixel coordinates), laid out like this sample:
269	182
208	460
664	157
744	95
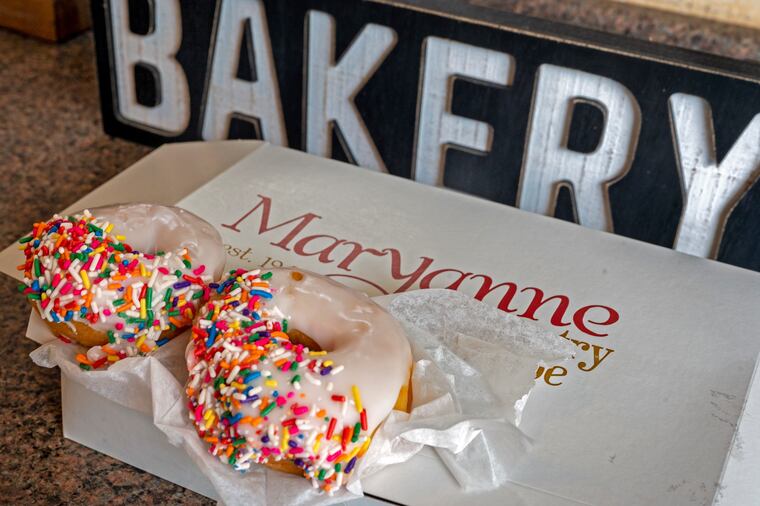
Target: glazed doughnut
121	280
259	394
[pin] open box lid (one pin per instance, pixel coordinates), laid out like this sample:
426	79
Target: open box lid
684	350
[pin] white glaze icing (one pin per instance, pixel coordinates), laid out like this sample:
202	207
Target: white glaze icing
94	281
355	331
366	346
151	227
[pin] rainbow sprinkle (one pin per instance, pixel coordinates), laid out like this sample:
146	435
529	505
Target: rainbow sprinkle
78	270
240	409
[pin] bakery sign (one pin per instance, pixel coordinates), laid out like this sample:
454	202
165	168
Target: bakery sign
650	142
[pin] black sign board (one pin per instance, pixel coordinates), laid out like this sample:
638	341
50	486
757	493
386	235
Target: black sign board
654	143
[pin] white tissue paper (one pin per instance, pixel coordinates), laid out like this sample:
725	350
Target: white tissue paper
473	369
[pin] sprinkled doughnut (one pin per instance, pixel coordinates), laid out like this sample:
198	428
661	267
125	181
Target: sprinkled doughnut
121	280
293	370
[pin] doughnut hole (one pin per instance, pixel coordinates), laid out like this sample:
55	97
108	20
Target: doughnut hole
404	399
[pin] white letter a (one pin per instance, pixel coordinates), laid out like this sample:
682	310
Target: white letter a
228	96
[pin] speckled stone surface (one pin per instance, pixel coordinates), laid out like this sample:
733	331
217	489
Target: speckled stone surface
53	151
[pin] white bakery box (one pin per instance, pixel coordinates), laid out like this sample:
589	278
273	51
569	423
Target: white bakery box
657	407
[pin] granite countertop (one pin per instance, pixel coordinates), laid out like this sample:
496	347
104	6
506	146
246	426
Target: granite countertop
54	151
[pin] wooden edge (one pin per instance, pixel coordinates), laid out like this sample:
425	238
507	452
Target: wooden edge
744	13
71	17
50	20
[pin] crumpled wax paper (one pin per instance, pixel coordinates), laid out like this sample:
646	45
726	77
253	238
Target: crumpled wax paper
473	369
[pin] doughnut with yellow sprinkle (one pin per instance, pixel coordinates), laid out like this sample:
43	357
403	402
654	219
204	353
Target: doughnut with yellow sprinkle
120	280
295	371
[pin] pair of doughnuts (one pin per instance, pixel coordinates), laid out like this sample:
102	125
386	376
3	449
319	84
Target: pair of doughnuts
286	368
